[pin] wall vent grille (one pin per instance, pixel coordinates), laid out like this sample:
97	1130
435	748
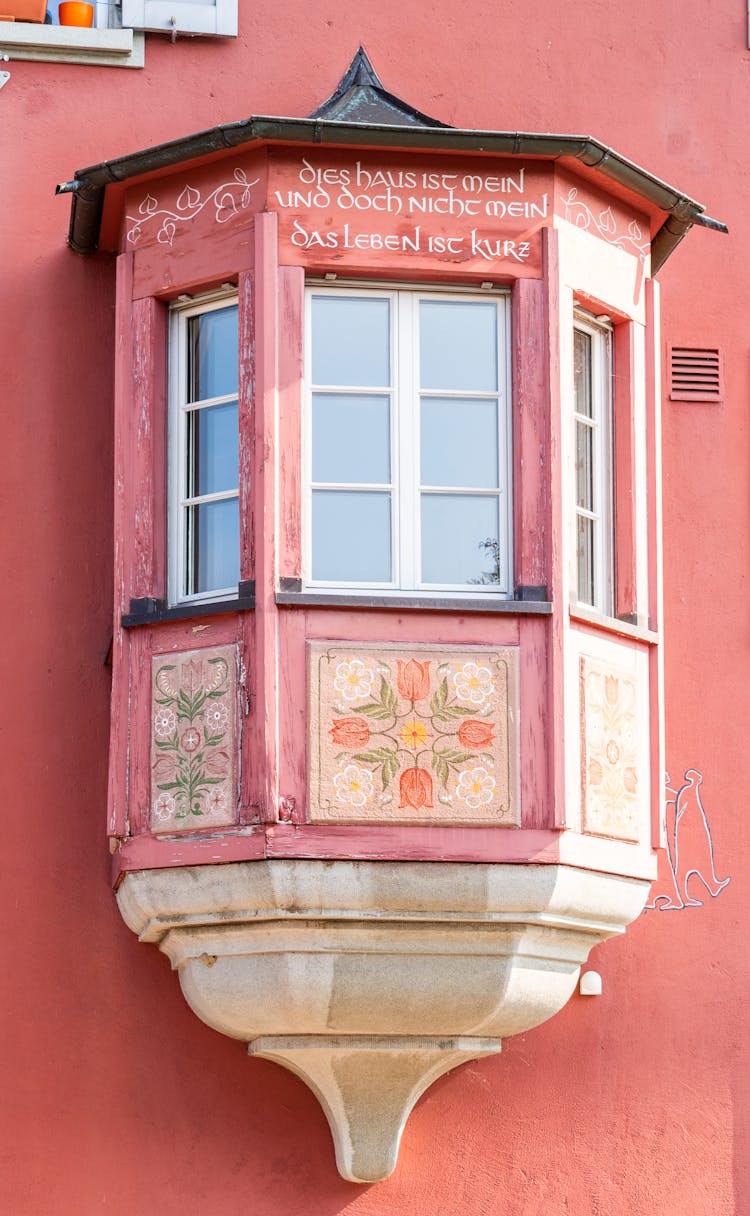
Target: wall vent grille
695	374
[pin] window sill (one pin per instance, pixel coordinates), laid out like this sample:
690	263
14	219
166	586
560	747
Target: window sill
153	612
423	603
67	44
610	624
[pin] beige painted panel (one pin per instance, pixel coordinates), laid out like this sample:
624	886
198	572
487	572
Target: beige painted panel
611	760
194	740
413	734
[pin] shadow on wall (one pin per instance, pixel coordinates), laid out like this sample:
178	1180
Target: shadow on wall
690	849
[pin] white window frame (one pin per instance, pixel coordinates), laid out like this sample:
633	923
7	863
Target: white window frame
179	573
601	424
212	17
405	482
208	17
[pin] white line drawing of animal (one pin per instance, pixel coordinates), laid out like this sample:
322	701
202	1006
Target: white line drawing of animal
684	808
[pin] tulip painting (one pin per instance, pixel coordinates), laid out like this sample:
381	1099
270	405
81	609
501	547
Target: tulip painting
350	732
413	680
473	733
430	729
415	789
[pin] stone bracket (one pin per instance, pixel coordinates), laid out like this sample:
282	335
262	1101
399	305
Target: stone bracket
367	1086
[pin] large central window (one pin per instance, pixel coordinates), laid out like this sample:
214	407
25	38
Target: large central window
408	450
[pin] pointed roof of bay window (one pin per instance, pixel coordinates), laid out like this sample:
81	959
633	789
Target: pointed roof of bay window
360	97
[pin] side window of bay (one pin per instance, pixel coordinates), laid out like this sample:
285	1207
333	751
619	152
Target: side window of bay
203	473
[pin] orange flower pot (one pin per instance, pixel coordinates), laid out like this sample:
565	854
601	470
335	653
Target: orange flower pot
75	12
23	10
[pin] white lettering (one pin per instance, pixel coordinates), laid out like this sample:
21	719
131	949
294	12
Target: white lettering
301	200
367	192
304	239
445	244
309	175
494	247
364	202
446	204
375	240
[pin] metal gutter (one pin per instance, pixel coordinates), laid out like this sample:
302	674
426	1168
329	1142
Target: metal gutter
89	185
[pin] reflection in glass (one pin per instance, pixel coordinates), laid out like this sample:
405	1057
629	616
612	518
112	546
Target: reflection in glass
212	354
582	372
214	545
460	539
584	466
351	439
458	345
459	442
351	341
351	536
585	557
213	449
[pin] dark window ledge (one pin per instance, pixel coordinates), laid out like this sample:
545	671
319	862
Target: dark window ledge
423	603
149	611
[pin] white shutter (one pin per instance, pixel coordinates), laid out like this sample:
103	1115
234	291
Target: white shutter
182	16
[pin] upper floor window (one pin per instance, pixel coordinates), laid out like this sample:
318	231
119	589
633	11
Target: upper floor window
592	421
204	452
184	16
408	441
218	17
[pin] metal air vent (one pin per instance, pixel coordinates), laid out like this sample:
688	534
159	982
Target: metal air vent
695	374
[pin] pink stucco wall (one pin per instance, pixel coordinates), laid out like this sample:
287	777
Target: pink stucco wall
115	1098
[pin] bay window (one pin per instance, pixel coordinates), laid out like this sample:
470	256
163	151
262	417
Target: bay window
204	452
408	440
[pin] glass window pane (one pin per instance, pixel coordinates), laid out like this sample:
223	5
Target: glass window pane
459	442
213	354
585	557
458	345
351	438
351	534
461	539
585	466
215	540
213	449
582	372
351	341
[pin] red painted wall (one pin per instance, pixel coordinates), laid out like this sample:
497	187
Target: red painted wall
115	1098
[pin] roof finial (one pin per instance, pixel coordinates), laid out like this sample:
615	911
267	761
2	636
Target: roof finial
360	97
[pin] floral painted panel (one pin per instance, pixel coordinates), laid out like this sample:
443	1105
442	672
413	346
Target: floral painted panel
413	735
609	750
194	740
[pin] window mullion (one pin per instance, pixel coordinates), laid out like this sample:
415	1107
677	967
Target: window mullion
178	551
408	409
398	455
602	441
598	423
307	434
597	471
505	463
